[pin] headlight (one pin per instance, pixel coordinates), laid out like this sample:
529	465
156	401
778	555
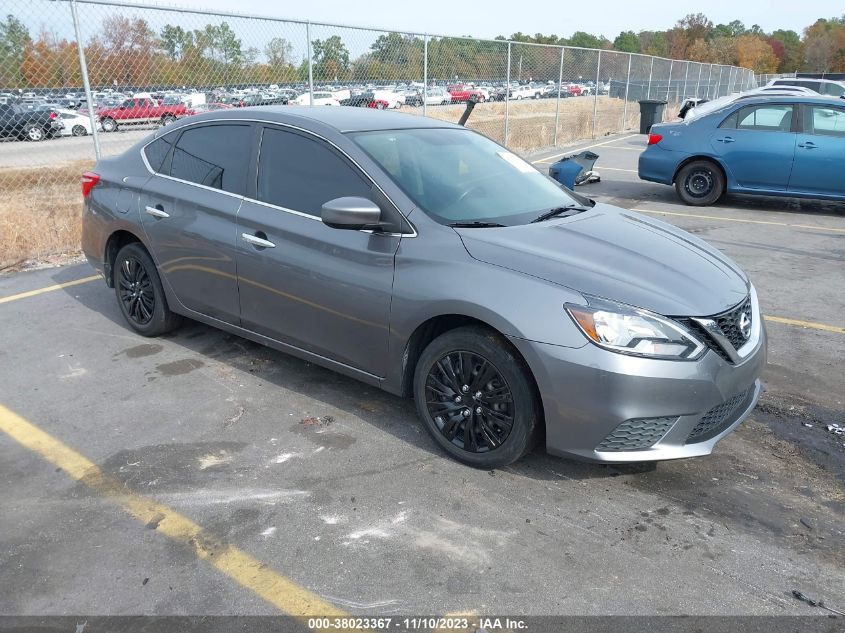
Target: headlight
629	330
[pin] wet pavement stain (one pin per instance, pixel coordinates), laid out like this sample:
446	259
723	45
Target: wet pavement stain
179	367
139	351
317	434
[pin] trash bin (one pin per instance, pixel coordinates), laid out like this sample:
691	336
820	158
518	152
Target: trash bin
651	112
567	170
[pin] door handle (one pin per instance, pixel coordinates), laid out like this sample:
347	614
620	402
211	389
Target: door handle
808	145
259	240
727	139
156	211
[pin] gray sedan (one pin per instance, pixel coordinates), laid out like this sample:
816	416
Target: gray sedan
425	259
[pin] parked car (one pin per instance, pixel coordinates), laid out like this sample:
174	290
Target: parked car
437	96
693	108
139	111
365	100
75	124
29	125
208	107
614	336
320	99
525	91
461	93
821	86
790	146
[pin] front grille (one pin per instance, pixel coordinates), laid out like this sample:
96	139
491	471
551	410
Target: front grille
636	434
728	324
718	418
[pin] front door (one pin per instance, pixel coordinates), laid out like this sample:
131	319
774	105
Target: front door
820	152
189	209
323	290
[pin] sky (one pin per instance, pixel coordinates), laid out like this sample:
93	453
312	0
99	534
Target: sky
488	18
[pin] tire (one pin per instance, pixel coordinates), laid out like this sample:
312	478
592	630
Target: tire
700	183
167	119
139	292
34	133
78	130
504	391
108	124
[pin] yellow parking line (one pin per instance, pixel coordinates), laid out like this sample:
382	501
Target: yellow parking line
807	324
245	570
580	149
743	220
41	291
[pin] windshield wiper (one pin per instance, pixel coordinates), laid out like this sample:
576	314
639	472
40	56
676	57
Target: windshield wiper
560	211
474	225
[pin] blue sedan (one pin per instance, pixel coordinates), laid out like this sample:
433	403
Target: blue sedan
774	146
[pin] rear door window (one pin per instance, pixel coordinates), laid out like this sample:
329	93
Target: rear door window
824	121
766	118
215	156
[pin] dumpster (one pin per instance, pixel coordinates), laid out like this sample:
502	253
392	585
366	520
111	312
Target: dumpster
651	112
573	170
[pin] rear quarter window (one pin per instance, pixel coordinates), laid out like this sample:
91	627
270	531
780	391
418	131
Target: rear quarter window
157	151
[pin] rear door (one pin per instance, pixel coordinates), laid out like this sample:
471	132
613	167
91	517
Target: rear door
757	145
316	288
188	211
820	152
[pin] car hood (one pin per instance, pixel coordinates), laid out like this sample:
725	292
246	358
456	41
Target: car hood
619	255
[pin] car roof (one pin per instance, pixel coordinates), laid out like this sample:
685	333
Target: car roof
792	98
340	118
781	79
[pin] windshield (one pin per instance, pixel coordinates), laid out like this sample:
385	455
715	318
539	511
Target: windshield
460	176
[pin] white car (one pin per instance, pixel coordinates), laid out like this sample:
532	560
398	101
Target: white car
437	96
394	99
525	92
701	108
320	99
820	86
75	124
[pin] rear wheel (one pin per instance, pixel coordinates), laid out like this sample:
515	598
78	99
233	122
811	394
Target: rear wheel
34	133
109	125
476	398
140	294
78	130
700	183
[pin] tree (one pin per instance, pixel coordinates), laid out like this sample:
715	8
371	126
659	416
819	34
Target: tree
653	43
732	29
278	52
14	40
756	54
331	58
627	42
585	40
696	26
175	40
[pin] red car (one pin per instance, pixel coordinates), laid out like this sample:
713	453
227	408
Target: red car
137	111
461	93
574	89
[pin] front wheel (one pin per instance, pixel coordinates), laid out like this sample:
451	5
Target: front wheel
700	183
109	125
140	294
476	398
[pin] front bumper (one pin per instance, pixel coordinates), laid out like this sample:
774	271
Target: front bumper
588	392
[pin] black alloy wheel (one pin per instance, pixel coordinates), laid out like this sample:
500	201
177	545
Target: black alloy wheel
470	401
135	291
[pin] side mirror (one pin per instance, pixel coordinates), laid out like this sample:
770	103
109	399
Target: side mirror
351	213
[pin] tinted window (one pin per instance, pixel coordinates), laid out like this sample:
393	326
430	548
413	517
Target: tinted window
832	89
824	121
157	150
215	156
770	118
299	173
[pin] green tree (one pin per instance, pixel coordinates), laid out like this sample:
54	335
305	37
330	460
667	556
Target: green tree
585	40
278	52
627	42
331	58
732	29
14	40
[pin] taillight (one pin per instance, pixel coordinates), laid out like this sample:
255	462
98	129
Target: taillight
89	179
52	116
654	139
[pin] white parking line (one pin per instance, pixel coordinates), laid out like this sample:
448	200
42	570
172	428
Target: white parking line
580	149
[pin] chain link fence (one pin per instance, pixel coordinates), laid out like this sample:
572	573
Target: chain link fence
89	78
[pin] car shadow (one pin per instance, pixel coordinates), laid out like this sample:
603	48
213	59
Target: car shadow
338	393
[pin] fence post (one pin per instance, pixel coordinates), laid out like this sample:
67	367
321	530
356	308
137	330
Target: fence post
698	81
669	83
627	86
559	82
719	83
83	68
710	81
596	95
507	94
686	79
650	73
425	74
310	64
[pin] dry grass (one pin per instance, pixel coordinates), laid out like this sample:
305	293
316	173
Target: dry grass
41	207
40	211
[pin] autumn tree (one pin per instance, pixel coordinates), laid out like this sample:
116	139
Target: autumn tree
755	53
